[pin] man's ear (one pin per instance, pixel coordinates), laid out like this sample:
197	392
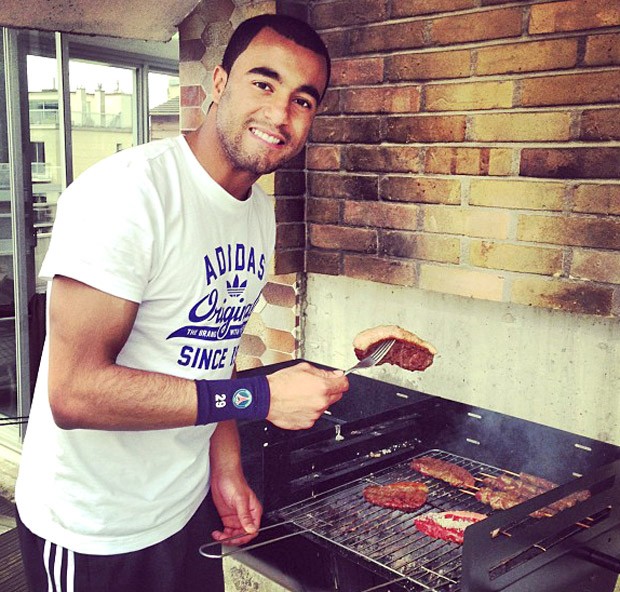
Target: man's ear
220	77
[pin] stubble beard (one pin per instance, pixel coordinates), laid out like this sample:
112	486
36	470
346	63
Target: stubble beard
231	134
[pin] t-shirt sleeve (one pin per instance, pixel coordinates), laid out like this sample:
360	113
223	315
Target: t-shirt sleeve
103	232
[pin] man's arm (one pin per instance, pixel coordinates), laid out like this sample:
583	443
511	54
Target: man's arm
88	389
235	501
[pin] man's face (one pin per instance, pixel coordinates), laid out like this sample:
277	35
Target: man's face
267	102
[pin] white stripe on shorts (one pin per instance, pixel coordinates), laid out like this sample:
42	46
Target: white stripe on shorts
54	553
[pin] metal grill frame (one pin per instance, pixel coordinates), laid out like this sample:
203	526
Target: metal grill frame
388	539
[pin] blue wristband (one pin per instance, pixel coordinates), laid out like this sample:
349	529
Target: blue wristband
237	398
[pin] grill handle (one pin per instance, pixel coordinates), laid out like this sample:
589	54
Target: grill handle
598	558
233	551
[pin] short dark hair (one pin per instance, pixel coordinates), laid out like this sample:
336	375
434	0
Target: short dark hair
292	28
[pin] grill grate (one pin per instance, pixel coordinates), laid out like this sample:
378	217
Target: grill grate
388	539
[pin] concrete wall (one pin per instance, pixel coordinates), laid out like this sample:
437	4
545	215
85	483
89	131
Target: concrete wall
547	366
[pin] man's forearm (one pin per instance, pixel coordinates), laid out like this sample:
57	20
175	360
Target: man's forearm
119	398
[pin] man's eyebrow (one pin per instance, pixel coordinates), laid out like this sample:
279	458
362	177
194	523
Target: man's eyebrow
270	73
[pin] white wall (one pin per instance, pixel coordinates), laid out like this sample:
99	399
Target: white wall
555	368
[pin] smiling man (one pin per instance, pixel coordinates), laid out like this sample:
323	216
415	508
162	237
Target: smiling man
132	456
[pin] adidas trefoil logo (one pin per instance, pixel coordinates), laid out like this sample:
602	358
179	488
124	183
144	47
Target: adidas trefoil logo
236	289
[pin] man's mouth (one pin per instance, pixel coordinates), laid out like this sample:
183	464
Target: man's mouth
266	137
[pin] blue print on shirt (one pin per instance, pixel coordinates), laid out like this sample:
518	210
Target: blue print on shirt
223	311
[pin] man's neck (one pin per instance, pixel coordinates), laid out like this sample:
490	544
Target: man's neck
204	143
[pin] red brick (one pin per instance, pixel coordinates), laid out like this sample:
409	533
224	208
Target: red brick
477	26
381	215
596	266
421	190
463	96
337	42
573	15
347	12
376	38
403	159
571	163
526	195
345	129
603	50
571	89
290	183
346	72
603	233
415	7
342	238
343	186
461	282
544	126
427	247
598	199
325	158
473	222
527	57
468	161
600	124
385	99
324	211
323	262
290	209
386	271
289	261
290	235
509	257
575	297
432	128
431	65
330	105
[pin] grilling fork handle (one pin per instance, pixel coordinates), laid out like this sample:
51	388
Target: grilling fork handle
235	550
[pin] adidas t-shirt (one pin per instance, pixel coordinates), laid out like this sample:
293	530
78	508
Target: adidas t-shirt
151	226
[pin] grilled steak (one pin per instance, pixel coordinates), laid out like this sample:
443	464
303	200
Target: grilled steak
448	526
443	470
409	351
403	495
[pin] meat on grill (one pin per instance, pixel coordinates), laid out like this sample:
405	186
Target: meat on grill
448	526
406	496
504	492
443	470
409	351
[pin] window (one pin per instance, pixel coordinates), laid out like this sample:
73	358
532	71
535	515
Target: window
99	106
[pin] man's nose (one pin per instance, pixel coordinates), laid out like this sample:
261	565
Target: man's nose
277	111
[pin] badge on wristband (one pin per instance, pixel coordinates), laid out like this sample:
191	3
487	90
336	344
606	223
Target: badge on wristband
236	398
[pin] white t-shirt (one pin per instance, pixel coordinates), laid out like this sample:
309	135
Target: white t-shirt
151	226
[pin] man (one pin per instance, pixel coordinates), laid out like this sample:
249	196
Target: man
133	417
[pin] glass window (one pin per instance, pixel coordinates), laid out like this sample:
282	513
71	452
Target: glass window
102	111
46	151
8	362
163	105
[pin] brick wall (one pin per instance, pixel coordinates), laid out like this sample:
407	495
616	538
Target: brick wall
470	147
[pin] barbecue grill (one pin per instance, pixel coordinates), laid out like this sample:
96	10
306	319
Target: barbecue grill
324	536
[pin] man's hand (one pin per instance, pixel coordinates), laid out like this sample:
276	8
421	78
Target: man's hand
301	393
237	506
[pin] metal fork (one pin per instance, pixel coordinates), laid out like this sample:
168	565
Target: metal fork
374	358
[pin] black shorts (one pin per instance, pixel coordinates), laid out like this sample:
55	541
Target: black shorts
174	565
